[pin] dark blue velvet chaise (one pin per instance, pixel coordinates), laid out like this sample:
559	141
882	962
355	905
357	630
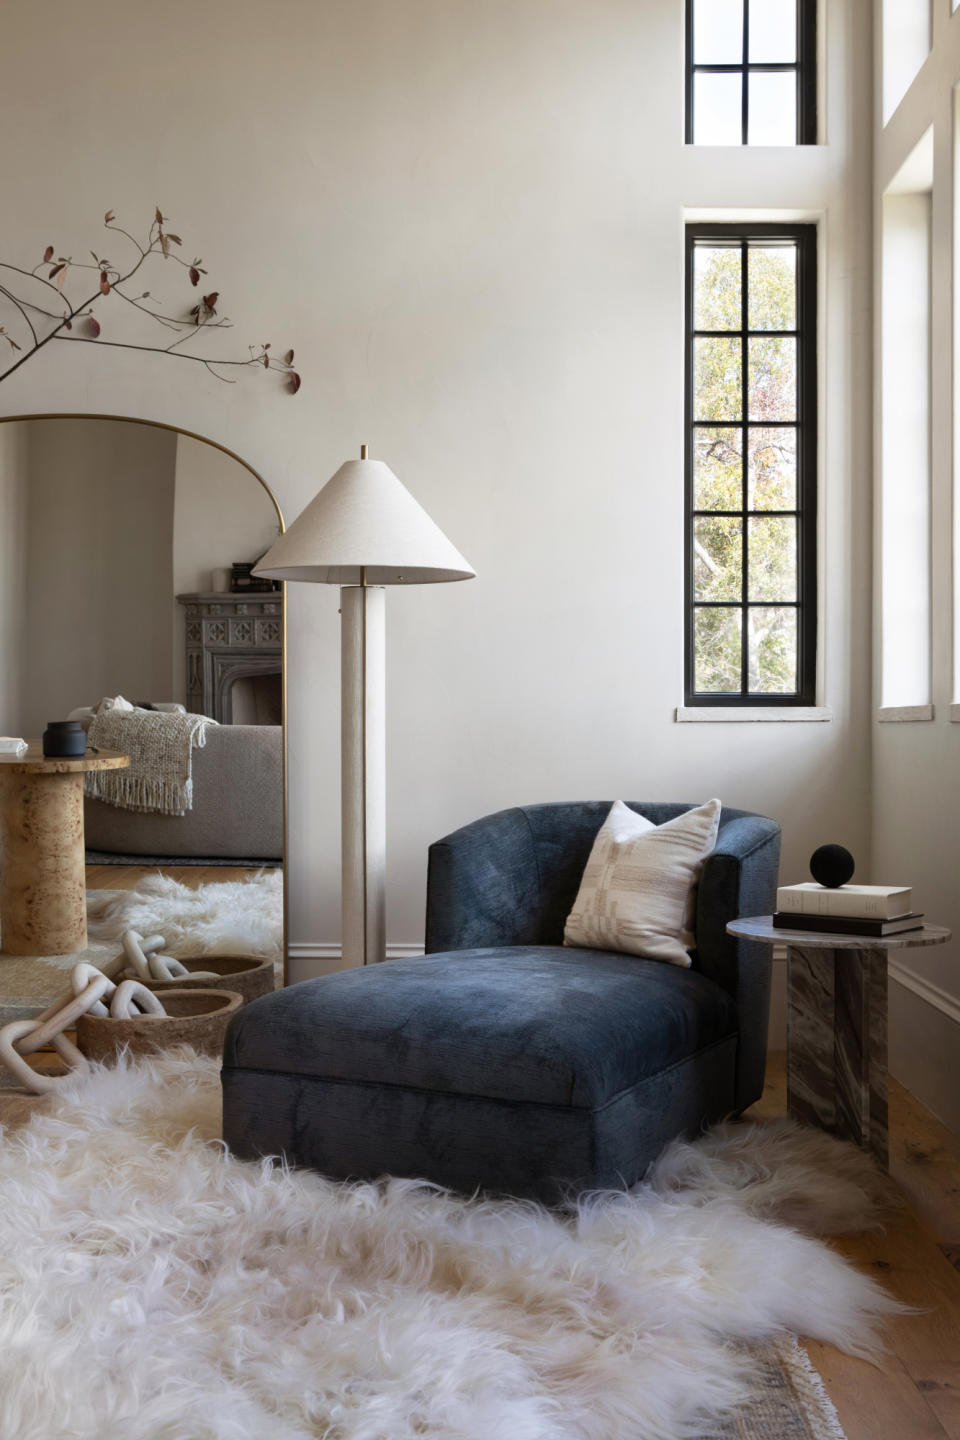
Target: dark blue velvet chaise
501	1060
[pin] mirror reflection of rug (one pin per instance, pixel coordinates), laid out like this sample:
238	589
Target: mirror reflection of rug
237	917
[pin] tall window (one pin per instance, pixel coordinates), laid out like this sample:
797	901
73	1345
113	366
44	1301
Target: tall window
751	72
751	465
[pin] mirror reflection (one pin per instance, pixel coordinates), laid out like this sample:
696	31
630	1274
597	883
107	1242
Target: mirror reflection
127	603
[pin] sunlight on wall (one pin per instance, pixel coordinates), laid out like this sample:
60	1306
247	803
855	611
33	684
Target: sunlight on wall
906	44
956	390
905	449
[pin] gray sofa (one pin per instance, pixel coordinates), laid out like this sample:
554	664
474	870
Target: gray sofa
237	804
501	1060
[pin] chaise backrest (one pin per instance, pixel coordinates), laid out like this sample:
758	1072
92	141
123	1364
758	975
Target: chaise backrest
511	879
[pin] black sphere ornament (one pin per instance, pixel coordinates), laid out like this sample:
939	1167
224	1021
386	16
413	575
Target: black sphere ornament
831	866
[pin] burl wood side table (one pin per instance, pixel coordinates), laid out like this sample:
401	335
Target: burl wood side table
43	891
837	1025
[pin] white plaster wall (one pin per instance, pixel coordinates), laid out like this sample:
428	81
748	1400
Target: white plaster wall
916	766
98	566
13	595
221	513
468	220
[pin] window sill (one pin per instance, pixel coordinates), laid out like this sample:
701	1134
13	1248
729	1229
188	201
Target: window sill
751	714
955	714
903	714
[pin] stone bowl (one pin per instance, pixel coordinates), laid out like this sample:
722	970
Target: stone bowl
246	975
194	1017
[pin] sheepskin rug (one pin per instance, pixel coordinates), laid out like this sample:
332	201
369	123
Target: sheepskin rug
155	1288
235	917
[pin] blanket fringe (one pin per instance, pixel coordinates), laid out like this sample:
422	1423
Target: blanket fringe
128	791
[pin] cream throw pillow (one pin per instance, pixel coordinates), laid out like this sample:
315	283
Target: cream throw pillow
637	890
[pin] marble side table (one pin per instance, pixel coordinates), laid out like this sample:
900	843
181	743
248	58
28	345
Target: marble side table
837	1025
43	892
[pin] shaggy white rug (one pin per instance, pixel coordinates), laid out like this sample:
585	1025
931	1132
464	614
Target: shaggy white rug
237	917
155	1288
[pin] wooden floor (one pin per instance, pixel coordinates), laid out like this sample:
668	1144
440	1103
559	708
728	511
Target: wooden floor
915	1394
125	877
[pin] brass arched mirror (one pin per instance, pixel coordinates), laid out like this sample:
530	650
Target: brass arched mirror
125	555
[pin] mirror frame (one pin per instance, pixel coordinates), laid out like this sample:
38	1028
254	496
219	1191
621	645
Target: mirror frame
225	450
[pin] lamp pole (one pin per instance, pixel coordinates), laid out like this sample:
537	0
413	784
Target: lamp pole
363	777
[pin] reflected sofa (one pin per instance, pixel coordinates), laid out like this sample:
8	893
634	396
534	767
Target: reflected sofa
237	804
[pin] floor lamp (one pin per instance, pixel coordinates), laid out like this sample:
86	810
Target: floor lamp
363	531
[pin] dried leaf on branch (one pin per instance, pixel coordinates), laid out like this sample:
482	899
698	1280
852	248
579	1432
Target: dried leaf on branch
42	307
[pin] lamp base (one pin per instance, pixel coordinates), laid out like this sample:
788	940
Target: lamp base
363	772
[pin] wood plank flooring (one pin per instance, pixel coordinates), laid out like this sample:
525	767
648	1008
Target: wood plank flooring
125	877
915	1392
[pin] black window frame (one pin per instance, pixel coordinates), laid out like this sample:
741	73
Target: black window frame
805	66
804	236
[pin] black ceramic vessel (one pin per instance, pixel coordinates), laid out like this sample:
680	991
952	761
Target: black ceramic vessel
832	866
63	738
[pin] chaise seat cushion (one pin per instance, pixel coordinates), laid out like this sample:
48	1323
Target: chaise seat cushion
536	1023
530	1070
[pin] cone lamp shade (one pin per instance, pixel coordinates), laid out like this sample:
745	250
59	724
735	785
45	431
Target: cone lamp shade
364	522
363	531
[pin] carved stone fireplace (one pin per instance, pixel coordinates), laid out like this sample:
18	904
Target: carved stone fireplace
235	656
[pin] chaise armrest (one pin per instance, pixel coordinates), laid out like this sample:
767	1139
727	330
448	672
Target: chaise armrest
740	878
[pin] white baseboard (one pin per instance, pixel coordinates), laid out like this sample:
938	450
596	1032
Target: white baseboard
307	960
326	951
940	999
924	1053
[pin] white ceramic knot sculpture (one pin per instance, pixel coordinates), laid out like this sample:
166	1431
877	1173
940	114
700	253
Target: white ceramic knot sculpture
89	988
95	992
145	961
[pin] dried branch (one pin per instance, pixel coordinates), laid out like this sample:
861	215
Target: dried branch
111	280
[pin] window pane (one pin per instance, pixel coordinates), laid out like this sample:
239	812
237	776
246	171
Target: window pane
772	287
772	363
716	650
772	558
773	30
718	32
772	469
716	109
717	468
716	287
717	379
773	109
772	645
717	558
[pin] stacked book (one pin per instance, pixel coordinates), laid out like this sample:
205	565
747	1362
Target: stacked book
872	910
242	579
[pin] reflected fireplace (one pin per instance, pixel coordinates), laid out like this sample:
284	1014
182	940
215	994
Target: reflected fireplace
235	657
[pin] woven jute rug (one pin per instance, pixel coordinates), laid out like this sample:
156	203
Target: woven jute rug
29	983
788	1401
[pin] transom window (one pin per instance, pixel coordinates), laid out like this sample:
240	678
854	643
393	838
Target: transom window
751	464
751	72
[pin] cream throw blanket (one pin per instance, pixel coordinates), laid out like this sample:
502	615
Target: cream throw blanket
160	746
